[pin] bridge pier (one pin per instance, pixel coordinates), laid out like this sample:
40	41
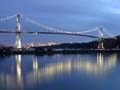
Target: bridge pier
100	39
18	41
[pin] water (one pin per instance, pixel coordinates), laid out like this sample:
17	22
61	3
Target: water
60	72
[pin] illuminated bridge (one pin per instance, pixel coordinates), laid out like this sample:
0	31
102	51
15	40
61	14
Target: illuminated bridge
52	30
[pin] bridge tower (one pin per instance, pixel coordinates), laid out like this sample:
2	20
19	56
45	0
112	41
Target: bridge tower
18	41
100	39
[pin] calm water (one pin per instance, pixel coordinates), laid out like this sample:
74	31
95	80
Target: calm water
60	72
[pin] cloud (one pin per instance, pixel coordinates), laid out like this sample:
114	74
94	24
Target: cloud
113	10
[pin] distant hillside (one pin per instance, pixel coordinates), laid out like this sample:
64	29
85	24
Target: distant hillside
108	43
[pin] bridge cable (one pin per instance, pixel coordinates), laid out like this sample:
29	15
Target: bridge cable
54	29
108	33
7	18
42	25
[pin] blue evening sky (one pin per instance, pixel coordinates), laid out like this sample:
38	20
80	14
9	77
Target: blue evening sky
69	15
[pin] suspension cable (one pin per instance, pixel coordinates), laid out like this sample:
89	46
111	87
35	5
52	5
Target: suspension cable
42	25
7	18
108	33
87	31
54	29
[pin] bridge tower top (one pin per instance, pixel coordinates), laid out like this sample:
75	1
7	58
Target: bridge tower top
18	23
101	32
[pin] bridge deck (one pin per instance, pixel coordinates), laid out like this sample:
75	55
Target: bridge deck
61	33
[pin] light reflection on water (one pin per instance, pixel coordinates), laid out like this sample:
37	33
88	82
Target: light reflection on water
25	73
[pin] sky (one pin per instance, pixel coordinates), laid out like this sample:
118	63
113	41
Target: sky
69	15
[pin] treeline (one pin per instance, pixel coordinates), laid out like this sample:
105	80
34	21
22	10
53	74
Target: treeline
109	43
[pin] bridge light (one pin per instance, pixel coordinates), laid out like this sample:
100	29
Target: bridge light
35	33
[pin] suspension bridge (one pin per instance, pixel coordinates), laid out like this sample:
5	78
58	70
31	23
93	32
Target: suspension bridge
51	30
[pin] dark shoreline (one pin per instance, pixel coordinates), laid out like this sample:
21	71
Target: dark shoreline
110	46
50	52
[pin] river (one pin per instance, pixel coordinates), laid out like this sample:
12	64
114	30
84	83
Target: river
60	72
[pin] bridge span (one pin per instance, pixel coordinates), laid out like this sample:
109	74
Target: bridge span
52	30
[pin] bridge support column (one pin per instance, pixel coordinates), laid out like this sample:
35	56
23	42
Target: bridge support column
18	41
100	39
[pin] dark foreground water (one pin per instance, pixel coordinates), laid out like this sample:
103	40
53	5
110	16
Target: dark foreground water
60	72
